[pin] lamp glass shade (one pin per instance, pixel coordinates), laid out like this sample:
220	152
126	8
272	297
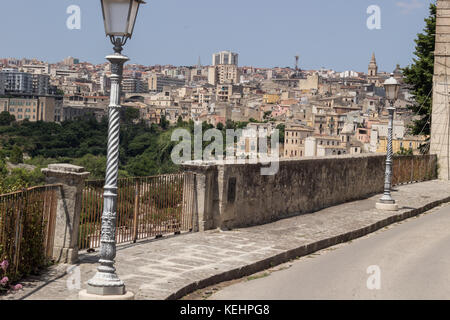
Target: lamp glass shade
392	88
119	16
133	14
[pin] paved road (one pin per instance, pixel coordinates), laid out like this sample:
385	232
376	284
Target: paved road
413	259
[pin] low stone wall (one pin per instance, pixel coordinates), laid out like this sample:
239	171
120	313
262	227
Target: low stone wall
234	195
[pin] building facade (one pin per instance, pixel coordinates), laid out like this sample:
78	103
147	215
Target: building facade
223	74
157	82
34	109
41	84
17	82
225	58
294	140
2	84
133	85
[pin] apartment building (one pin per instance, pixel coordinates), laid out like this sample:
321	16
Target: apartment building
133	85
406	143
41	84
17	82
321	146
294	140
225	58
31	108
226	92
64	73
223	74
36	68
2	84
157	82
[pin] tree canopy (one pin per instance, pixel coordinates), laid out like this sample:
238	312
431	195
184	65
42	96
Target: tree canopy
420	74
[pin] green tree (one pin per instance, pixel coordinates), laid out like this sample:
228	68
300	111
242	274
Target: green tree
281	128
3	169
16	155
164	123
129	114
220	126
96	165
405	152
420	74
180	121
6	118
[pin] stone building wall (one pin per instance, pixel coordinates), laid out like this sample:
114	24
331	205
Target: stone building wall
440	120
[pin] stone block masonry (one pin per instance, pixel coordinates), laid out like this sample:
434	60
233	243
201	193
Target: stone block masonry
235	195
440	142
68	209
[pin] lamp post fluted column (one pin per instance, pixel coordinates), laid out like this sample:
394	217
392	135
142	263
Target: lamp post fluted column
387	202
387	198
119	17
106	282
392	88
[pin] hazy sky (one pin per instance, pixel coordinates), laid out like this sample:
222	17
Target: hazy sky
265	33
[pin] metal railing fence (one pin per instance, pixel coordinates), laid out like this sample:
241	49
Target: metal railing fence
27	228
146	207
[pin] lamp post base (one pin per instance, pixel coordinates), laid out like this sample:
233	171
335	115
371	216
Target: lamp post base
83	295
386	206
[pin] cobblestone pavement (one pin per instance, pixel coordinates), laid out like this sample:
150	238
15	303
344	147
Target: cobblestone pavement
174	266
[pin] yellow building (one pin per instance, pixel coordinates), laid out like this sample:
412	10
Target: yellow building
271	98
33	109
407	143
294	140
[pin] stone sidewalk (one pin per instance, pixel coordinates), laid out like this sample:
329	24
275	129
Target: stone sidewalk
174	266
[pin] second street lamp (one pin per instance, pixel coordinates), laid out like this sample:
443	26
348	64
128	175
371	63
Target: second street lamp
386	202
119	17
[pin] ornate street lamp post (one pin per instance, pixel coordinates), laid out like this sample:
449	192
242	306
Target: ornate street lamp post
386	202
119	17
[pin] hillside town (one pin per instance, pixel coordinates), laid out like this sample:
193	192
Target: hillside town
307	157
322	112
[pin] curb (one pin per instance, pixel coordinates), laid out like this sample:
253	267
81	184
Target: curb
300	251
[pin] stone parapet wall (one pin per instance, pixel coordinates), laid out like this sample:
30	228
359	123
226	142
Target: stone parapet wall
234	195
